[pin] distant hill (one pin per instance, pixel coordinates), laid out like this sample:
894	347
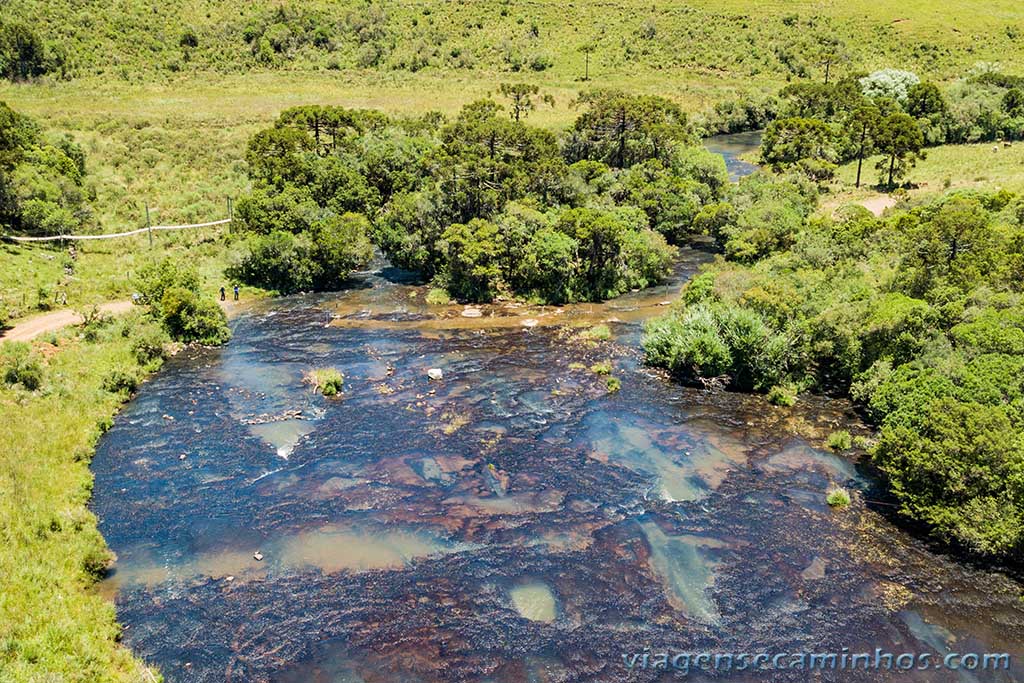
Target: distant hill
734	40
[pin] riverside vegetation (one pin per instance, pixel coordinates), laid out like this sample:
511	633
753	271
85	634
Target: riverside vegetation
916	316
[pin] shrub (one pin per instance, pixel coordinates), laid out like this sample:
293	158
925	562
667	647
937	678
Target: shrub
189	39
149	346
438	296
328	381
192	318
602	368
840	441
19	366
121	380
782	395
613	384
171	289
837	497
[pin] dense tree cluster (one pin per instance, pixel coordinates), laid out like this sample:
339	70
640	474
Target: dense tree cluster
484	205
42	188
918	316
890	113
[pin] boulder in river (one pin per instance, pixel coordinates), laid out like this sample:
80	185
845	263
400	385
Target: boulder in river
435	373
472	312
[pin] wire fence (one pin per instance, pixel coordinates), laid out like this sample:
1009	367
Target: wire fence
150	229
140	231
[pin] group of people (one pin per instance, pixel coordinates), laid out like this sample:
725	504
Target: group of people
223	294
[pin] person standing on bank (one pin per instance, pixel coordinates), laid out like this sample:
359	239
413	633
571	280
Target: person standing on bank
236	292
223	295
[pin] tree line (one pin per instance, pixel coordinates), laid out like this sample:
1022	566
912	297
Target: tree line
890	113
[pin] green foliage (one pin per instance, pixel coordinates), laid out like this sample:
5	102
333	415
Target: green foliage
840	441
171	289
621	129
121	380
483	206
919	317
438	297
19	366
318	258
328	381
613	384
602	368
149	346
783	395
23	54
837	497
708	340
597	333
958	466
41	184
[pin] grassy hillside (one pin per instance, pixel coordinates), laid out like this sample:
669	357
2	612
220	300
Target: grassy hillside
734	39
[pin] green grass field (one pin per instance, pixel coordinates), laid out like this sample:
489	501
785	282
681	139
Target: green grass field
988	165
53	626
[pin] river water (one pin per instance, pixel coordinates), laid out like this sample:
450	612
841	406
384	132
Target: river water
512	521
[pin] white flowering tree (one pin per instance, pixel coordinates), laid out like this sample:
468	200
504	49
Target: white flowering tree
892	83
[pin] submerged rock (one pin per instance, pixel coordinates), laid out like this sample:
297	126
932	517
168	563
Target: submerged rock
472	313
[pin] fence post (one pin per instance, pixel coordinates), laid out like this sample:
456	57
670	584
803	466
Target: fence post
149	226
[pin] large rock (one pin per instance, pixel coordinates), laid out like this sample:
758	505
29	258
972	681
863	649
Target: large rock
435	373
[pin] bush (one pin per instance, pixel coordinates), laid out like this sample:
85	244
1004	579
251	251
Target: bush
19	366
438	296
189	39
784	395
597	333
840	441
171	289
149	346
837	497
328	381
190	317
613	384
602	368
120	380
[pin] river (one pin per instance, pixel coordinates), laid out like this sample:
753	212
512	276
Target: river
512	521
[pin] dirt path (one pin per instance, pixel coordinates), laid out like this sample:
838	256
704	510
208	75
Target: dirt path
877	205
51	322
28	330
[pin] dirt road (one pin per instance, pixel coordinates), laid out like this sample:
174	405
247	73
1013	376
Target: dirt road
51	322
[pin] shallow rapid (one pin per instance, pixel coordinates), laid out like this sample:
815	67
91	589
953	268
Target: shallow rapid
511	521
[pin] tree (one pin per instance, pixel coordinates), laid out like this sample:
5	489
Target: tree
900	140
23	54
521	95
925	100
891	83
1013	102
863	124
829	50
587	49
622	129
789	141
